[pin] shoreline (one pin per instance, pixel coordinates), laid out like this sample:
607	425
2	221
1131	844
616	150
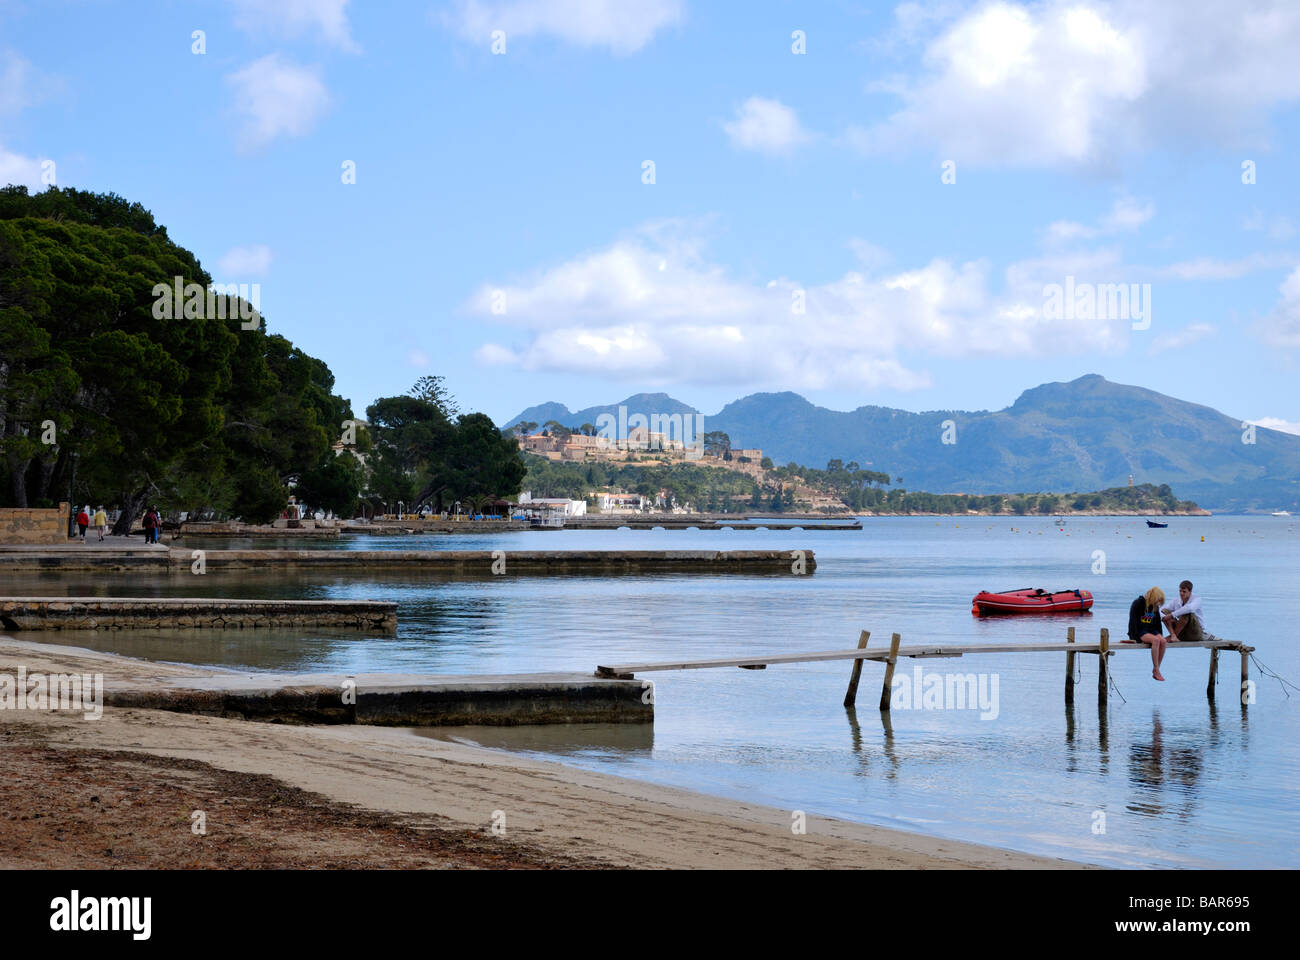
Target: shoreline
559	815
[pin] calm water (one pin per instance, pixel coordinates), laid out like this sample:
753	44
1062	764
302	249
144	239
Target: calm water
1180	782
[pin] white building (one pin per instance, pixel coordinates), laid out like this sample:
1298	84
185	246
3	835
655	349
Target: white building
620	502
553	506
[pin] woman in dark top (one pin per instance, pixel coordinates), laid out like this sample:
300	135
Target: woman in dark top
1144	626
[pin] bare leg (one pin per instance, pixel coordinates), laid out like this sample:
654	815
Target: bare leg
1157	652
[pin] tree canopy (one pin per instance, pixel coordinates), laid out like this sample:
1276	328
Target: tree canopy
104	397
425	451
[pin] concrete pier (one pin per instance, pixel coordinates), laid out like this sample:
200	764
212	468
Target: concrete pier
373	699
394	700
686	523
150	613
509	562
235	531
632	521
453	563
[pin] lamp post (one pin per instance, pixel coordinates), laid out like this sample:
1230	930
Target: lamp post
72	507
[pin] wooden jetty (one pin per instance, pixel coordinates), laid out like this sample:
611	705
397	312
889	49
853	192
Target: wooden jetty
890	656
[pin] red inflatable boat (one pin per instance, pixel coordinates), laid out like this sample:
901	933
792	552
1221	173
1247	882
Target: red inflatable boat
1030	601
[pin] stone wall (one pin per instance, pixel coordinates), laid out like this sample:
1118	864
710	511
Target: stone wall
26	525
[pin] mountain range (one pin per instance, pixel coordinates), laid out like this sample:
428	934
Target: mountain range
1087	434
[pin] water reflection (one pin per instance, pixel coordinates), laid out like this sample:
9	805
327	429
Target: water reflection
1165	772
279	649
572	739
856	738
1072	738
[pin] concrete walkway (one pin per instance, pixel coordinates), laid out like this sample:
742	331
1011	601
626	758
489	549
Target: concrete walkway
379	699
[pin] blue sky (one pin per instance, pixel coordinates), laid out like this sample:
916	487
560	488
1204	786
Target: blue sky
500	231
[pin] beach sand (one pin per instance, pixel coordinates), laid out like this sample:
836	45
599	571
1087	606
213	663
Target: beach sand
121	791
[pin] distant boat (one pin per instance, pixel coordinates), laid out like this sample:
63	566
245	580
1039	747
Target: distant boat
1280	513
1158	526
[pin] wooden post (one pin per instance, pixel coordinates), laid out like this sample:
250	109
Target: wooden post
1103	656
851	697
1069	668
889	672
1214	672
1245	674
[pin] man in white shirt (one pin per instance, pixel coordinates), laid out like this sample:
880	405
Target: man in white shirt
1184	619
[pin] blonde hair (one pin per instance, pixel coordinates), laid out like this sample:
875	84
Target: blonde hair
1154	597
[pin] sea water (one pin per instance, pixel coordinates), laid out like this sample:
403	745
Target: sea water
1160	776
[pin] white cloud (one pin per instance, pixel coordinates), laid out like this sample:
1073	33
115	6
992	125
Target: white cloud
293	18
1083	82
614	311
767	126
1276	423
1282	327
1277	227
20	170
277	98
1188	335
1213	268
240	262
1126	216
622	26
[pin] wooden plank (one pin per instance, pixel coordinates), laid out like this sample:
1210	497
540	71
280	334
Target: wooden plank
1214	673
851	696
918	652
1103	666
889	672
1069	668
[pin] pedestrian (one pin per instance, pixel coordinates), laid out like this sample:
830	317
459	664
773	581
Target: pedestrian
101	522
83	521
150	526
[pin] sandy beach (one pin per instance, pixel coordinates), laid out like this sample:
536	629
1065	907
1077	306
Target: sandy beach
121	790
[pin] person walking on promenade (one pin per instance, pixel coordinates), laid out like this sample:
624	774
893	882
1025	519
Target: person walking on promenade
1144	626
83	521
101	522
151	526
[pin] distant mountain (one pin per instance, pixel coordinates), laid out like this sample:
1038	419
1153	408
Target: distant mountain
1088	434
645	403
